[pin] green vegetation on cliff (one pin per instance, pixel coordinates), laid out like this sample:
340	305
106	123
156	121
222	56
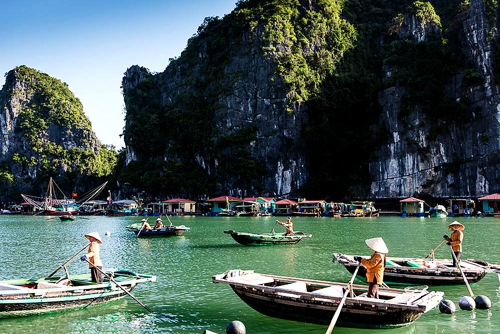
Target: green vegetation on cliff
51	117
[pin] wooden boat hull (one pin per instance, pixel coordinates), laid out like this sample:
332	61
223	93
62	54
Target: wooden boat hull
28	297
269	295
65	218
442	274
266	239
167	231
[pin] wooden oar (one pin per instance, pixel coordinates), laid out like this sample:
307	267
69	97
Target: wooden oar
62	265
272	231
121	287
463	275
302	239
168	219
337	313
435	248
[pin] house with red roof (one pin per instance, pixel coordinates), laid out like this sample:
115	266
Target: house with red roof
261	204
412	206
490	204
180	206
285	207
224	205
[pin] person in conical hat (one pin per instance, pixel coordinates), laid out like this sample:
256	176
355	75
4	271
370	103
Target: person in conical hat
93	256
375	265
159	223
145	225
455	240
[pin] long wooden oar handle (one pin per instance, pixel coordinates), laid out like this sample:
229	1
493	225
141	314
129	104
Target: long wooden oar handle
55	271
121	287
435	248
461	272
337	312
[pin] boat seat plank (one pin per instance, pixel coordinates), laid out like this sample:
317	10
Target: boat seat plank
48	285
256	279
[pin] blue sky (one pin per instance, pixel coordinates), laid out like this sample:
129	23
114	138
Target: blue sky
90	44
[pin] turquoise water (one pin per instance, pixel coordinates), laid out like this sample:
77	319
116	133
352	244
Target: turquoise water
184	292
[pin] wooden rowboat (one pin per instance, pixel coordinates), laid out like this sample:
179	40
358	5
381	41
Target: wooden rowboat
420	271
259	239
37	296
166	231
67	217
316	301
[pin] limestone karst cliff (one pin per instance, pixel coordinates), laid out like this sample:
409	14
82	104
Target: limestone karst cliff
233	104
439	152
329	99
46	134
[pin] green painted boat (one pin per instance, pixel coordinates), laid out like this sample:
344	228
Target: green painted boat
27	297
259	239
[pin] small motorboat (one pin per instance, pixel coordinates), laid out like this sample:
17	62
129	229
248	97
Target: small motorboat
315	301
26	297
418	271
166	231
439	211
259	239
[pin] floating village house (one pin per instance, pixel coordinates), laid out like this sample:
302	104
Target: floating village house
224	204
490	204
285	207
259	204
461	207
315	207
180	206
412	207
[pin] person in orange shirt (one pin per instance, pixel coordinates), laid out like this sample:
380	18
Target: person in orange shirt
145	225
159	223
456	240
375	265
93	256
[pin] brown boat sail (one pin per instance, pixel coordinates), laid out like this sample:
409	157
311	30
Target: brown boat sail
316	301
420	271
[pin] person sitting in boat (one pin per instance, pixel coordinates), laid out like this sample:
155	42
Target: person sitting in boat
159	223
93	256
456	240
375	265
145	225
288	225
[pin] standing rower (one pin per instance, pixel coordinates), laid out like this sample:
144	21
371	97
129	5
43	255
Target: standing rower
93	256
375	265
456	240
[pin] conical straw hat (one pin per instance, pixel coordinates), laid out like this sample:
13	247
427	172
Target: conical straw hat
455	223
377	244
94	235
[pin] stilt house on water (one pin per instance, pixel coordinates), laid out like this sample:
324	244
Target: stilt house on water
490	204
285	207
412	207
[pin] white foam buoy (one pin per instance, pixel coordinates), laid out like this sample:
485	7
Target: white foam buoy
482	302
467	303
447	306
108	233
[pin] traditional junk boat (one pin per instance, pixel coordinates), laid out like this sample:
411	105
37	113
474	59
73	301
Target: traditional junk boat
166	231
36	296
420	271
51	205
316	301
259	239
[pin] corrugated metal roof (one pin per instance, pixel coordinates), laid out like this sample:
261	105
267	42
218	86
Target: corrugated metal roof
489	197
178	200
411	199
224	198
286	201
